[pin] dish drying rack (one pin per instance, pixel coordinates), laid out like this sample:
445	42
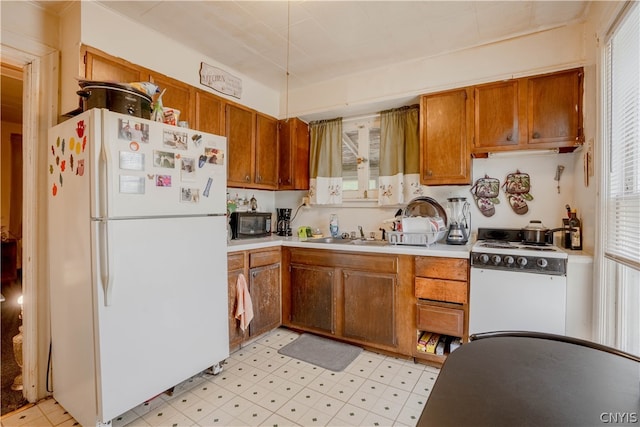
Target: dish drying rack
426	238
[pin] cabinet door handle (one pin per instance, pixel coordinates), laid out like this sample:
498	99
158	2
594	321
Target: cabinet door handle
246	178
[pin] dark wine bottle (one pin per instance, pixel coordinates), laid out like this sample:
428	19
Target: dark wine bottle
576	233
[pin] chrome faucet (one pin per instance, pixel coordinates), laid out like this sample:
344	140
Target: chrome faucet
361	232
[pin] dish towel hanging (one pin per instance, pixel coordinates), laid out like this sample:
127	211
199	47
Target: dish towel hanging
244	307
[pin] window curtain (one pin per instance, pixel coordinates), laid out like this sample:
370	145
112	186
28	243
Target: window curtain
325	162
399	179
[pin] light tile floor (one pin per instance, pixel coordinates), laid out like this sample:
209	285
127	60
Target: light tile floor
259	386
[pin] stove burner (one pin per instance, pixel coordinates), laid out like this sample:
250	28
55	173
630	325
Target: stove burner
497	244
531	244
534	247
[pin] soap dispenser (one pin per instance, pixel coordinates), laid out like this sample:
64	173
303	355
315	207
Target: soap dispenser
333	225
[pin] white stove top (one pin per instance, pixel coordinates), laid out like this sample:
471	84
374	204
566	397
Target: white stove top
502	247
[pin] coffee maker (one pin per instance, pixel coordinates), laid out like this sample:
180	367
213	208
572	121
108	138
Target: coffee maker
459	221
284	222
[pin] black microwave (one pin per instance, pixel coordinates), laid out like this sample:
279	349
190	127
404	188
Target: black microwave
245	225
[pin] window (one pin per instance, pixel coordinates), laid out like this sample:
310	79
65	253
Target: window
620	254
360	157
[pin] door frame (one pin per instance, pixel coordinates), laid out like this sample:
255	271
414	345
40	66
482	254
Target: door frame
40	67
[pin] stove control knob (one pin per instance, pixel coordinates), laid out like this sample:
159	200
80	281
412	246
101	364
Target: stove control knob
522	261
542	263
484	258
495	259
508	260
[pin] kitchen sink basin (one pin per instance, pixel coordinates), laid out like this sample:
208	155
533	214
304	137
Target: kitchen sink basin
328	240
370	242
338	240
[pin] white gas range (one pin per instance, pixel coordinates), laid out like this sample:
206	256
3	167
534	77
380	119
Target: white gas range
516	286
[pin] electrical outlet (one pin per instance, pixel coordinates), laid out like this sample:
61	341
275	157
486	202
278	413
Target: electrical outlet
305	201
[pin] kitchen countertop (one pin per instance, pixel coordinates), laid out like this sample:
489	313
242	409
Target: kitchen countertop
439	249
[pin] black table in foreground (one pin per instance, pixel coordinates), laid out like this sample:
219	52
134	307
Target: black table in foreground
533	381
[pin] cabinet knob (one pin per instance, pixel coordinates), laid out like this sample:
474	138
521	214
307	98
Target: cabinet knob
246	178
510	137
536	135
259	178
429	173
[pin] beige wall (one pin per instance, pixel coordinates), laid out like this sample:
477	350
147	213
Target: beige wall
28	27
550	50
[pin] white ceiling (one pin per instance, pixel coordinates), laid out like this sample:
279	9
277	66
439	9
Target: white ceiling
329	39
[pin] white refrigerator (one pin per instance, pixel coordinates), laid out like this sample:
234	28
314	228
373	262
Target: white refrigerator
137	260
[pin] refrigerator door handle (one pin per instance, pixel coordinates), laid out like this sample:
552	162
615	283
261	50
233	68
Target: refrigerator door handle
105	185
106	261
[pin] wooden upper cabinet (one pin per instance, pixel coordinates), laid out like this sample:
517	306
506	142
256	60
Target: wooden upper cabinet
100	67
239	132
497	116
538	112
176	95
555	109
252	141
266	152
446	129
209	113
293	155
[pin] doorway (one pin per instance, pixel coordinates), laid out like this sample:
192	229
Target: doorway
11	238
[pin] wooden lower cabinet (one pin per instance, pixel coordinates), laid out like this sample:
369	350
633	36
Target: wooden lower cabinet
442	319
261	269
235	267
264	286
365	299
312	302
441	287
370	307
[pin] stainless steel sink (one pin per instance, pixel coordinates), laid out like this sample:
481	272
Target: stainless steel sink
328	240
339	240
369	242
